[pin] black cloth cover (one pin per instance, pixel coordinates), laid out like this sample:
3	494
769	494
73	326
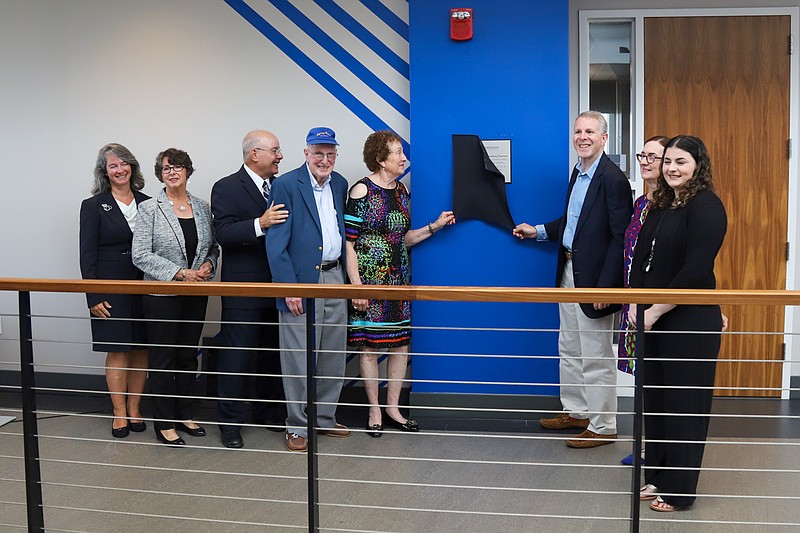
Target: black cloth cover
479	189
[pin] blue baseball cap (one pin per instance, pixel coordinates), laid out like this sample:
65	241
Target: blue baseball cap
321	136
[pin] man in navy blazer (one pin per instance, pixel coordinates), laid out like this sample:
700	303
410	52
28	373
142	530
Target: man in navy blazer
242	214
591	232
310	248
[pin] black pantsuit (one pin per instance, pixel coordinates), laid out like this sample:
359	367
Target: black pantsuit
676	249
176	350
688	393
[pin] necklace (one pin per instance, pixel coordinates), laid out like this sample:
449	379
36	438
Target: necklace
181	208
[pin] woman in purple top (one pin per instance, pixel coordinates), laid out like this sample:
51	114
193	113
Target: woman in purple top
650	169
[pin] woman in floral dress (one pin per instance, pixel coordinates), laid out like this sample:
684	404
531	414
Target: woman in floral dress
378	224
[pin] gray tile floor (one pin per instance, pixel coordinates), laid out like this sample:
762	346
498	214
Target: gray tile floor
465	475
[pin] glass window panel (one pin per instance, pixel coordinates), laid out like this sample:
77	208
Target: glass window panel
610	85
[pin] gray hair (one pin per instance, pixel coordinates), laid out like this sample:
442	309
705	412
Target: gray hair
598	117
101	183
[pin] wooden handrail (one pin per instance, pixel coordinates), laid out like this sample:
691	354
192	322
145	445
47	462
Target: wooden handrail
408	292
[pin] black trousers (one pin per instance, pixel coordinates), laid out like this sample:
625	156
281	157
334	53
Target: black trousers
177	350
677	398
259	331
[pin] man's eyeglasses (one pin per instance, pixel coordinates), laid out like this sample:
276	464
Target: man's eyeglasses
167	170
319	156
651	158
273	151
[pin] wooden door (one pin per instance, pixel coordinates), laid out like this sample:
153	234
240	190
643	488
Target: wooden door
726	80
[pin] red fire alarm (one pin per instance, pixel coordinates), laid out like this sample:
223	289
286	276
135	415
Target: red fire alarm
461	24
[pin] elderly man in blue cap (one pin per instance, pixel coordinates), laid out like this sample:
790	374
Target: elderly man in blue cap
310	248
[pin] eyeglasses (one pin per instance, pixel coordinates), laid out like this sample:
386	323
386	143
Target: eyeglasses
651	158
319	156
273	151
170	168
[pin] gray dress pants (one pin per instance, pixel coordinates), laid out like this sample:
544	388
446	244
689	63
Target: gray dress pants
330	323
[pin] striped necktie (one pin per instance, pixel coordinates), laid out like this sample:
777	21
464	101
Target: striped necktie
265	190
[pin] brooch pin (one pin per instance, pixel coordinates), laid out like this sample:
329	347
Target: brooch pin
106	207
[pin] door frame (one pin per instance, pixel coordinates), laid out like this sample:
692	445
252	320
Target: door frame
636	17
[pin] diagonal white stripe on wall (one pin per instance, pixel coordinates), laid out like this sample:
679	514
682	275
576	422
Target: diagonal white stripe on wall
379	28
333	67
363	53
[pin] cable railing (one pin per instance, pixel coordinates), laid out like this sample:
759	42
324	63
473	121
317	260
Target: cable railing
471	467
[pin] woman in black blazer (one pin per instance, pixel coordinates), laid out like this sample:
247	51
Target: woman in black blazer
106	231
677	247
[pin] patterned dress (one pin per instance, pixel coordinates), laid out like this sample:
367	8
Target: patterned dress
627	361
376	225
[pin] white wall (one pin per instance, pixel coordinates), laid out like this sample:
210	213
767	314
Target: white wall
75	75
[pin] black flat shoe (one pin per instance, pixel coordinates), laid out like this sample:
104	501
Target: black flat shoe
137	427
177	442
375	431
199	431
409	425
120	433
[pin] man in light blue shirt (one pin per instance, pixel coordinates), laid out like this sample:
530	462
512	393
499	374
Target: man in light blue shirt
591	232
310	248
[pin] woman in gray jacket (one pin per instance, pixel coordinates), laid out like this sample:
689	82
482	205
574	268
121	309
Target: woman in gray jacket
174	241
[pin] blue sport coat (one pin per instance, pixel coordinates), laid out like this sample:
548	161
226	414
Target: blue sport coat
600	233
294	248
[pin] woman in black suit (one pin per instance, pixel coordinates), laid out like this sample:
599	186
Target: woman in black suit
106	232
677	247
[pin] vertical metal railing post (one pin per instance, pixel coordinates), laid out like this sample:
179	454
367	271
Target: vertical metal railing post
311	413
30	430
638	419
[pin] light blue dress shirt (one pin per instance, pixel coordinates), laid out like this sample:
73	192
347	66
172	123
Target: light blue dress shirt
574	206
331	238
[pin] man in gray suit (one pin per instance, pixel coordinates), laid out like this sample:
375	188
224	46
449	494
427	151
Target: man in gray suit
310	248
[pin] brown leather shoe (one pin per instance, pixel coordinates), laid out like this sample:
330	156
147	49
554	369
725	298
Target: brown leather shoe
340	431
296	443
590	439
564	421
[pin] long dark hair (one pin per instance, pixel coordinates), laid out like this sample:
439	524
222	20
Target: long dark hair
664	195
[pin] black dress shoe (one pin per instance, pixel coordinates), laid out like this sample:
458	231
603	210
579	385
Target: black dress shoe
375	431
409	425
275	425
199	431
137	427
120	433
177	442
231	439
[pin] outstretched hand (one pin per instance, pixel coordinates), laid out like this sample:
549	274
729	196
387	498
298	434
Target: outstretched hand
524	231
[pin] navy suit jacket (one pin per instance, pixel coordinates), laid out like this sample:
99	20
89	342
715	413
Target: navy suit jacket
235	203
597	248
105	242
294	248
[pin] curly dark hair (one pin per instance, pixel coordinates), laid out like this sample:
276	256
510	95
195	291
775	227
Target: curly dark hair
174	157
664	195
376	148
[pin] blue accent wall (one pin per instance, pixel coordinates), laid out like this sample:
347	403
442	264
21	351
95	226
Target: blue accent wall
511	81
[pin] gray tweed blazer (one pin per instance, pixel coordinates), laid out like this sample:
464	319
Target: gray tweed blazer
159	249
